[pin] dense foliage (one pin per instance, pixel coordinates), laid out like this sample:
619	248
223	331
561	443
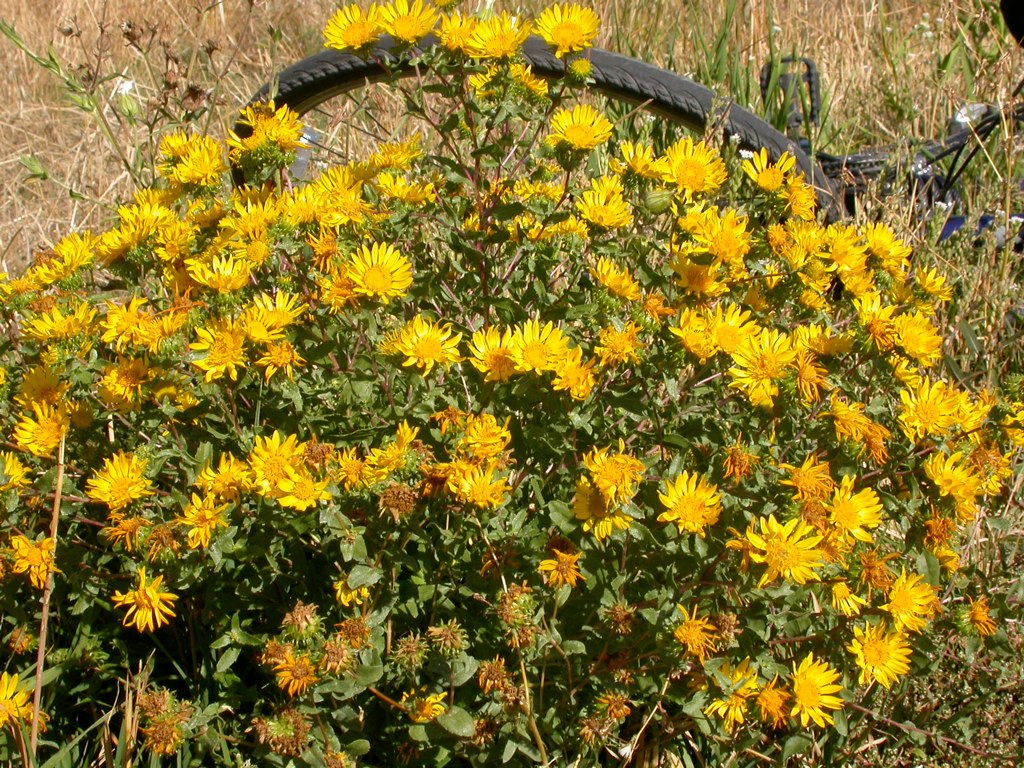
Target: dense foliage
520	442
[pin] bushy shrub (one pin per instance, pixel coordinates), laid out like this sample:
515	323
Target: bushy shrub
521	442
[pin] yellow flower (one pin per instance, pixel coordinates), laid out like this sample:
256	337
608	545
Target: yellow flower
980	618
590	507
562	569
881	656
34	558
536	348
768	176
295	674
41	432
918	338
760	361
742	687
912	602
423	709
928	409
695	169
124	324
483	437
846	601
789	550
696	634
348	596
615	475
491	354
228	481
222	273
55	325
773	703
814	689
617	280
148	607
732	327
852	513
638	161
695	332
568	28
351	27
14	703
270	460
121	482
691	502
426	344
892	253
13	474
618	346
953	476
202	516
380	271
581	128
456	31
224	343
575	376
478	486
407	22
603	204
499	37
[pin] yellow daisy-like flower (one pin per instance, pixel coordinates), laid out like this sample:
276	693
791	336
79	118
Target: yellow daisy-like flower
617	280
766	175
228	481
478	486
34	558
851	514
407	22
617	346
13	474
484	437
980	618
575	376
348	596
224	343
203	515
295	673
928	409
40	432
731	327
814	687
536	348
148	606
695	169
912	602
741	688
603	204
280	357
789	550
423	709
761	361
221	273
916	335
846	601
380	271
270	460
696	634
121	482
15	706
773	703
953	476
456	32
591	508
581	128
426	344
568	28
353	28
882	656
499	37
638	161
490	352
615	475
691	502
562	569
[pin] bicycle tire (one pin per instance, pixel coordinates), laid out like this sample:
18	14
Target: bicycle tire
312	81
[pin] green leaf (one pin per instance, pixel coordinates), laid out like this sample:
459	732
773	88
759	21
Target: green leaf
227	659
458	722
363	576
358	747
795	745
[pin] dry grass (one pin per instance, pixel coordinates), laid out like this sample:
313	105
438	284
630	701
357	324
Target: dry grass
878	59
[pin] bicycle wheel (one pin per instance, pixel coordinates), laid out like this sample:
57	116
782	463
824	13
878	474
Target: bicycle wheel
312	87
